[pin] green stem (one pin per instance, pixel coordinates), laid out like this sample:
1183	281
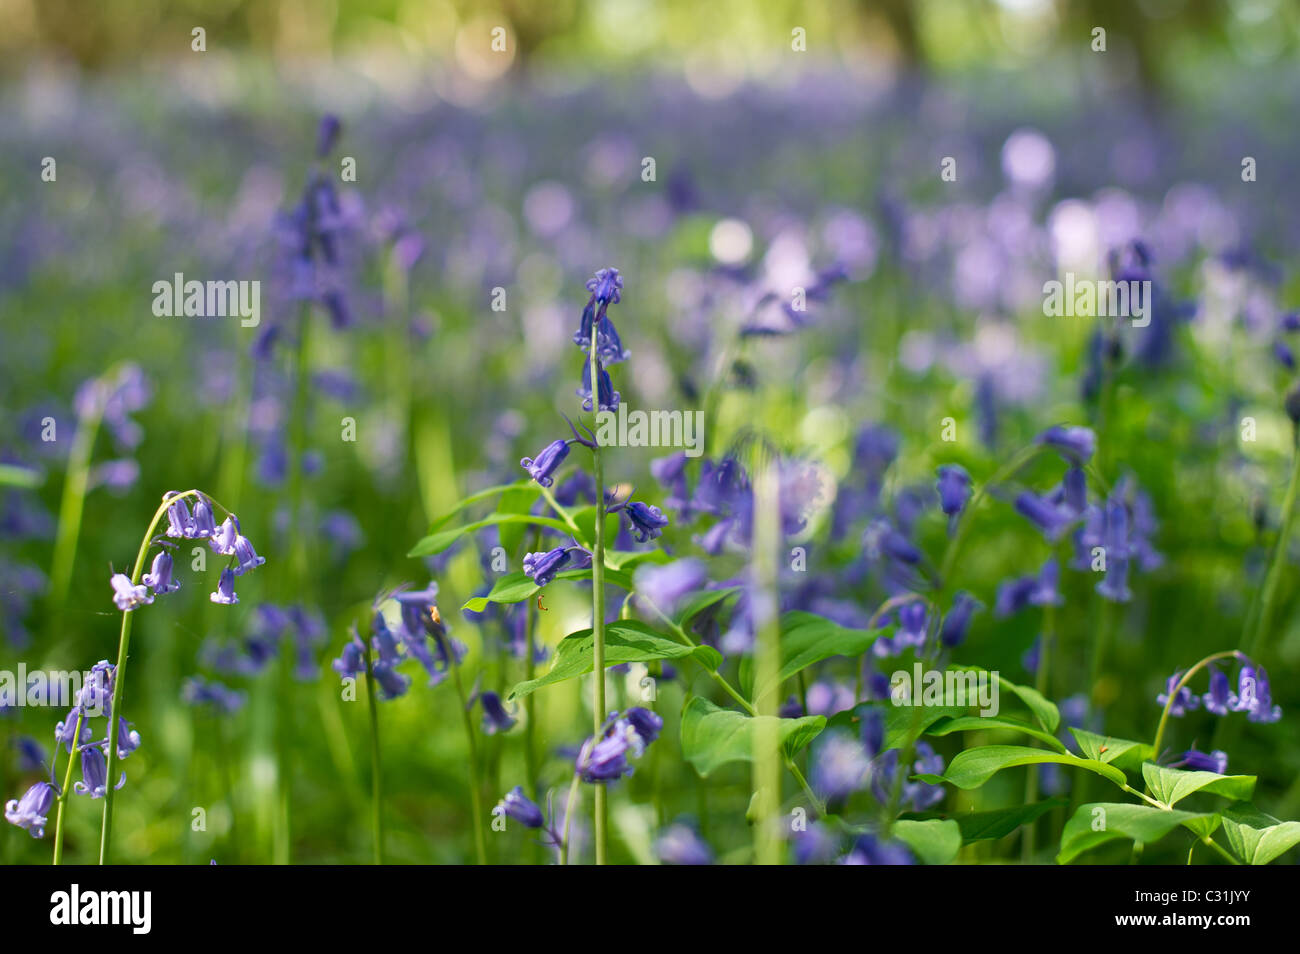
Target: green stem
568	816
598	604
1211	843
376	768
475	795
1040	684
1178	687
71	507
1278	562
119	676
73	757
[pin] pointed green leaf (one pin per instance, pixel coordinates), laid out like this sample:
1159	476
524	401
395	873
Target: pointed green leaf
713	737
1099	822
1124	753
484	494
807	638
437	542
515	587
991	825
947	725
936	841
1257	838
626	641
1048	716
1171	785
973	767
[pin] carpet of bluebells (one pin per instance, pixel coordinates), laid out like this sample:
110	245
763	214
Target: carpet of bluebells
338	581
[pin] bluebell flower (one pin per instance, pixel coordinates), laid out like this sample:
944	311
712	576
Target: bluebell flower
1255	697
352	660
1184	701
225	592
30	812
64	730
954	486
815	845
159	578
246	555
495	717
542	567
521	808
128	740
1114	585
608	397
1219	699
647	521
957	621
870	850
606	286
680	845
128	596
31	755
665	585
840	766
547	462
1075	444
670	472
919	796
223	538
1216	761
94	774
1051	520
327	134
645	725
196	691
179	521
202	524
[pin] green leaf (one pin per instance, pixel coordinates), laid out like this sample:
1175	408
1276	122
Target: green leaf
1124	753
947	725
713	737
973	767
697	603
1099	822
1048	716
626	641
484	494
991	825
517	500
936	841
622	559
807	638
442	539
1171	785
1257	838
515	587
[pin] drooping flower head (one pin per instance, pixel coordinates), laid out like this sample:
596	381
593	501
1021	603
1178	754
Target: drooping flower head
30	812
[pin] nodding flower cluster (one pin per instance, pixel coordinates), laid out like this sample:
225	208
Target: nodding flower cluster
1253	696
606	289
644	521
604	757
421	635
75	732
225	540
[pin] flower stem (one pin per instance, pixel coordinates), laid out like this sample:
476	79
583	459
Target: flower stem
598	598
1173	694
73	756
376	767
119	677
1046	639
568	815
70	510
475	795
